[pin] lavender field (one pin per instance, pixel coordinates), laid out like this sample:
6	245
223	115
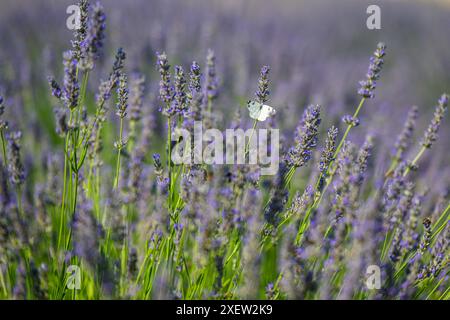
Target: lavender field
94	205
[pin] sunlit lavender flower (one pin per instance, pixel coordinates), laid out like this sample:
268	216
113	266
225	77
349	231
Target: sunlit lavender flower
263	85
106	86
439	252
117	66
15	166
404	139
81	31
327	155
376	63
431	134
180	98
166	90
93	41
306	137
122	93
301	201
71	87
346	183
194	80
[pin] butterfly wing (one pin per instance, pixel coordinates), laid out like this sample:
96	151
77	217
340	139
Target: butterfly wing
266	111
254	109
259	111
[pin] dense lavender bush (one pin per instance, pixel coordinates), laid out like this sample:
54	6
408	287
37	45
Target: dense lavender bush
92	186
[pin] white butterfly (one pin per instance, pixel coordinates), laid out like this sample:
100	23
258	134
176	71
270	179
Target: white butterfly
259	111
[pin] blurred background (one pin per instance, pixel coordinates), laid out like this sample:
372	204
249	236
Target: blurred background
317	50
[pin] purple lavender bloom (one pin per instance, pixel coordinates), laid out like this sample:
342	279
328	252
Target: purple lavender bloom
306	138
194	79
71	87
93	41
117	66
180	98
106	86
166	90
81	31
327	155
122	93
431	133
302	201
15	166
439	252
263	85
404	139
376	63
278	199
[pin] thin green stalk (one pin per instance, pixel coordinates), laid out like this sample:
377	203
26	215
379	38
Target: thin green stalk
2	282
5	158
119	147
247	146
61	217
75	192
413	163
169	159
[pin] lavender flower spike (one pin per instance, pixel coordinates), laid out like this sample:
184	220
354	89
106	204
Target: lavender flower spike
81	31
93	41
71	86
306	138
194	79
431	133
122	93
404	139
263	85
376	63
180	99
166	93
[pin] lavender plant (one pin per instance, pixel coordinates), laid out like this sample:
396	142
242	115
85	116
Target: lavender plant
103	197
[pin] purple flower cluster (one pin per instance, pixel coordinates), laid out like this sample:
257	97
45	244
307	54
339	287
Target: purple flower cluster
376	64
305	138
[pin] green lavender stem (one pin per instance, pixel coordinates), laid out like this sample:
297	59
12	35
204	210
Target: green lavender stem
2	136
119	147
413	163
